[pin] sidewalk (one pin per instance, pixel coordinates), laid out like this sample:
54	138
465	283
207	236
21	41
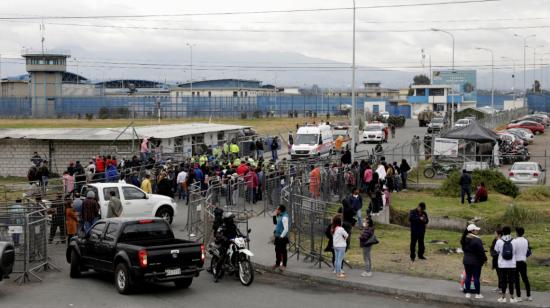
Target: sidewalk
386	283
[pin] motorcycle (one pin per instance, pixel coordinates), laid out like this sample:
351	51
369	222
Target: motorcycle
235	261
435	168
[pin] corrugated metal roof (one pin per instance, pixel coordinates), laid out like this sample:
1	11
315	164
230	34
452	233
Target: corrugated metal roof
102	134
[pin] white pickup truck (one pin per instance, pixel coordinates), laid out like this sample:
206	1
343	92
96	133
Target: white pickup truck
135	202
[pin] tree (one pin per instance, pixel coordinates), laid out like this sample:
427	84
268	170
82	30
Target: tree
537	86
421	80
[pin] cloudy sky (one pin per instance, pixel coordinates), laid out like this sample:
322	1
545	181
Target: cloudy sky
309	43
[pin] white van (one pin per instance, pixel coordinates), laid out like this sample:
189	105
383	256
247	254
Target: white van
312	141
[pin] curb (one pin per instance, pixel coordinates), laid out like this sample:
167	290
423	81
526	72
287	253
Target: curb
397	291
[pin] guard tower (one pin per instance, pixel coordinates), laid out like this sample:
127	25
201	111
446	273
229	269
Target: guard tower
46	68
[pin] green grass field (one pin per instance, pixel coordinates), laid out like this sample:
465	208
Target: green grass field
392	254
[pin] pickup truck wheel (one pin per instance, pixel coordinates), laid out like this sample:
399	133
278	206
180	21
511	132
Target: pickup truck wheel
166	214
75	265
183	283
122	279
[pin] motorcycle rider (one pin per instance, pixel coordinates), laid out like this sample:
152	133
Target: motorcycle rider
225	233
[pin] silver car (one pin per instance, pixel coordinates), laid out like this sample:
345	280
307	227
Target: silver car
530	173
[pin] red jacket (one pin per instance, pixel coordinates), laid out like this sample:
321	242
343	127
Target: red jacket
99	165
251	179
242	169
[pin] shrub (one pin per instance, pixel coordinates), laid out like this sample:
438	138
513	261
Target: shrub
103	113
516	217
537	193
493	179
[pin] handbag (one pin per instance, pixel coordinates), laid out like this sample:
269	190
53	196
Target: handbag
373	240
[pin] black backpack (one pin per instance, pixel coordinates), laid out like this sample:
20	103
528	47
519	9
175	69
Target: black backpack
507	250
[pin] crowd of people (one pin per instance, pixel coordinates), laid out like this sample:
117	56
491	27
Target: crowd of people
509	256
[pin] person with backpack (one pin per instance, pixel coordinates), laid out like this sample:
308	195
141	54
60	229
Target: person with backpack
474	258
521	253
506	248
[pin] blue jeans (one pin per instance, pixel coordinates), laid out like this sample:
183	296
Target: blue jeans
274	155
475	272
339	253
359	218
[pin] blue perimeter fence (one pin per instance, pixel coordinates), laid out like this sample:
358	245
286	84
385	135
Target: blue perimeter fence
218	107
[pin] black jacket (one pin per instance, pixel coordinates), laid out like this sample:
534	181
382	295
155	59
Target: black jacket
465	180
494	254
404	167
418	226
474	253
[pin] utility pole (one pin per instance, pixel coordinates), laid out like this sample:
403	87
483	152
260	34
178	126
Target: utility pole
492	74
191	72
453	72
353	100
525	64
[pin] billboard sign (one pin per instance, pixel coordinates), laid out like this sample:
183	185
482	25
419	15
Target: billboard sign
464	82
446	147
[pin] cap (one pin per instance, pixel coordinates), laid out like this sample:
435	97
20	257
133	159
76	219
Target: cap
472	227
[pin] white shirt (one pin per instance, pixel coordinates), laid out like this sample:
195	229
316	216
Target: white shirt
381	172
520	248
182	176
339	238
284	220
498	248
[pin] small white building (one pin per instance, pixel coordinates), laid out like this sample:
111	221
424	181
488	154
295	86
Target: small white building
62	145
436	98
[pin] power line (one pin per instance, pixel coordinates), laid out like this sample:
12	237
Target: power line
482	28
439	3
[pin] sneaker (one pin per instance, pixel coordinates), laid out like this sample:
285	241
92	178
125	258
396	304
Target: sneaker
364	274
497	290
529	299
479	296
513	300
468	295
369	274
282	268
501	300
422	258
519	299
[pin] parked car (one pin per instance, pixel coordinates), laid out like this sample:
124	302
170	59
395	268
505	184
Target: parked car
135	202
436	124
7	258
534	127
527	173
530	118
135	251
374	132
463	122
385	115
545	117
525	134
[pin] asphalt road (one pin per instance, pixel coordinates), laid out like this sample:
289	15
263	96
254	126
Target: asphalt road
268	290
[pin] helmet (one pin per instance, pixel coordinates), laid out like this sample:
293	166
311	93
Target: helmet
228	217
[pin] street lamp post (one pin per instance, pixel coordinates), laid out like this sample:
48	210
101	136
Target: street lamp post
525	38
191	66
492	74
453	71
353	99
513	75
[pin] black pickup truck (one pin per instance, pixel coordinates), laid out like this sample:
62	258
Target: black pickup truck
136	250
7	258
